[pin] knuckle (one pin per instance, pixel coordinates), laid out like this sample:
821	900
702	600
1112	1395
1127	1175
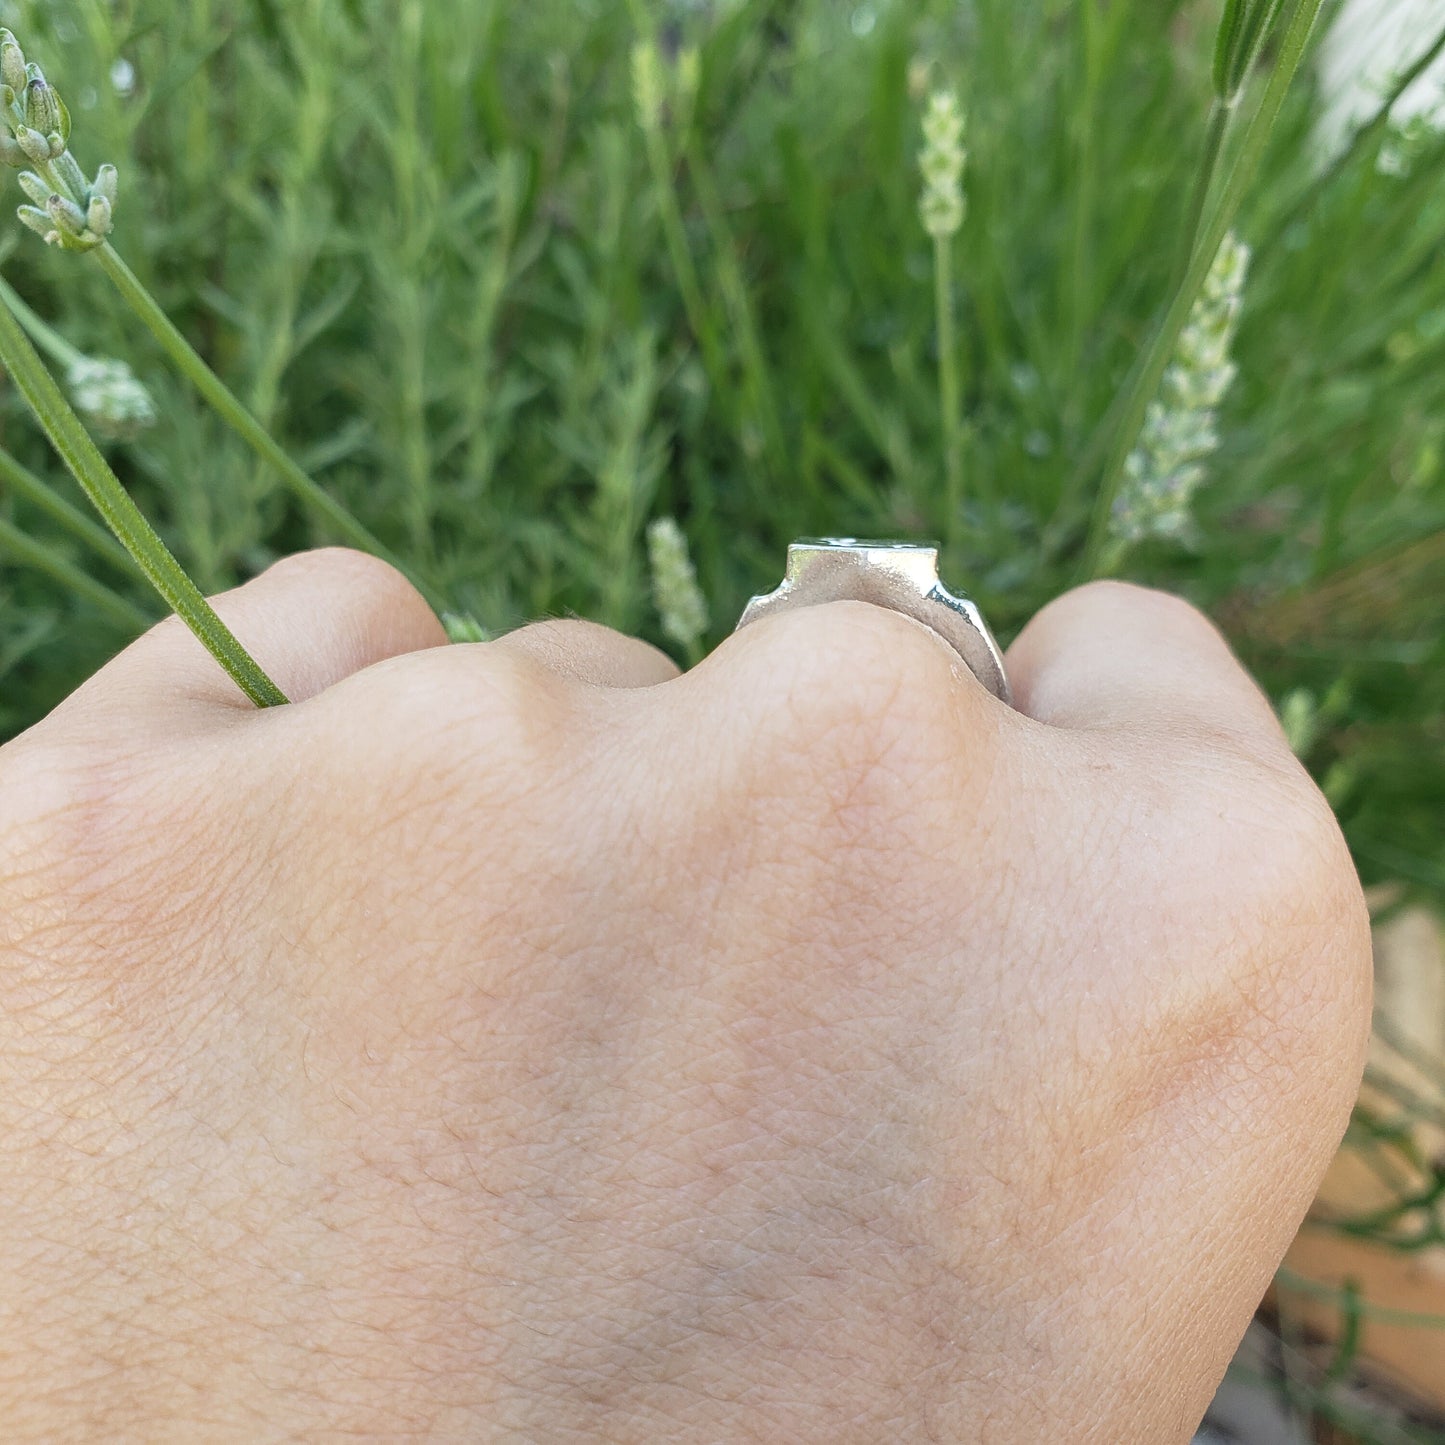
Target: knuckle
1301	869
480	716
552	638
1231	880
1110	598
1297	909
347	572
40	789
470	761
590	652
16	762
842	672
161	639
1320	894
869	702
526	710
1303	1023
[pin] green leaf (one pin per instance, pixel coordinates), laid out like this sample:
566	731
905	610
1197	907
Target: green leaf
1225	45
1243	34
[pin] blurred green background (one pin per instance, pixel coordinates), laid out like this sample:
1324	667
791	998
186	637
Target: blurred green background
429	245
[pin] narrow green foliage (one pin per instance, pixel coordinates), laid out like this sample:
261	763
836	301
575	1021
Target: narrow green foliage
29	552
21	482
1244	30
77	214
232	411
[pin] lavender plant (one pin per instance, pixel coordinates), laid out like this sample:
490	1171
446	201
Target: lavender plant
77	216
1247	26
76	213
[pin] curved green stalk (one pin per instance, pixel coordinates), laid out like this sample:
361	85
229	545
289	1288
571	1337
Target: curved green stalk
44	336
735	295
122	516
949	400
674	236
24	483
31	553
1145	379
1085	169
1217	128
238	418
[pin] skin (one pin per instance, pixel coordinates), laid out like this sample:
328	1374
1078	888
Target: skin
524	1042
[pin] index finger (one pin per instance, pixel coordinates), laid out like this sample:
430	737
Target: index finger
309	621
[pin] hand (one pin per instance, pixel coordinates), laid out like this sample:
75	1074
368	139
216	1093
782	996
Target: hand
521	1041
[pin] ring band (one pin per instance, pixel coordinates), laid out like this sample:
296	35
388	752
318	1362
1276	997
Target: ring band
902	576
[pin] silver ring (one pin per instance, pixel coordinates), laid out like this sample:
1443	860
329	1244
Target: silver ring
899	575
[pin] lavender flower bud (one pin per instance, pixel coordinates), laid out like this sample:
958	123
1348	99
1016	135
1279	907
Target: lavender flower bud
39	221
107	182
71	175
35	145
36	187
44	109
68	218
12	63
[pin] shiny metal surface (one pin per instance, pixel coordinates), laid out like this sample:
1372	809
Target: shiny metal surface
900	575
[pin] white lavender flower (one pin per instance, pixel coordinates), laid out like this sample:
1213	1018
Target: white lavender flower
664	86
110	397
1180	430
1299	716
942	206
647	83
122	77
463	627
679	599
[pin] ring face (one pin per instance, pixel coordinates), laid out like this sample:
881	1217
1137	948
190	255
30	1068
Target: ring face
899	575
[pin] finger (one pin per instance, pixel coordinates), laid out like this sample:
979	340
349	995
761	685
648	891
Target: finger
587	652
1114	656
840	681
309	621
